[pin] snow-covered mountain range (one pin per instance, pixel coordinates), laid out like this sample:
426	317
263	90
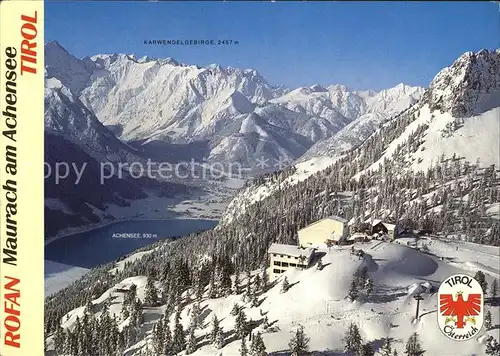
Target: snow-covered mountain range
121	109
236	112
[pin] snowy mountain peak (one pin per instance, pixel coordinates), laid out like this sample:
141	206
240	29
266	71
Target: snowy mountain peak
54	46
71	71
338	87
317	88
468	86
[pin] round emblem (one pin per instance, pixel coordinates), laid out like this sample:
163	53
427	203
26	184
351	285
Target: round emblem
460	307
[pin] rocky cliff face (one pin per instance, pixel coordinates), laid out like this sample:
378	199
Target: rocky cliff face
461	88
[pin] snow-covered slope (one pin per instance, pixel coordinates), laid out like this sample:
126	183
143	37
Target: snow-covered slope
255	193
460	114
397	272
474	139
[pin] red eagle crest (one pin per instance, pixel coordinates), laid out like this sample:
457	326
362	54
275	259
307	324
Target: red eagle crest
460	308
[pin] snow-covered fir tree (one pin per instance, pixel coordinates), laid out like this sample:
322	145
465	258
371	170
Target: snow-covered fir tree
191	342
386	347
243	347
219	339
195	321
215	329
365	350
257	347
241	324
494	288
413	346
285	285
151	298
487	320
492	347
159	336
353	293
236	309
352	339
167	341
236	284
178	337
481	278
265	280
369	286
299	343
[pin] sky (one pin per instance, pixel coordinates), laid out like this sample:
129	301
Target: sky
364	45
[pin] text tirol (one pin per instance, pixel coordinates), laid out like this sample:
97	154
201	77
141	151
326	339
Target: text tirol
22	62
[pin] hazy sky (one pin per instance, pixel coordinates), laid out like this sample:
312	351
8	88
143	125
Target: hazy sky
360	44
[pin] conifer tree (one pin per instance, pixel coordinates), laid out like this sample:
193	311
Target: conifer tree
225	283
265	280
480	277
195	321
254	301
215	329
151	297
369	286
352	339
130	295
413	346
191	343
258	348
241	326
136	317
299	343
59	339
386	348
285	285
158	336
236	309
365	350
487	320
178	338
219	339
257	285
167	341
353	291
199	288
236	284
492	347
89	308
243	347
494	288
248	289
212	288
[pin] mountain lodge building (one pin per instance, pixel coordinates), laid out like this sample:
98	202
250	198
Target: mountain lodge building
330	230
284	257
